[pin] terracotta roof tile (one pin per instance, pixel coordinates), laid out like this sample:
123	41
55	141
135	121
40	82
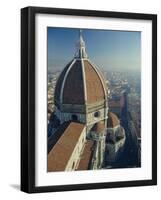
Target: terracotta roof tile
95	91
74	89
60	154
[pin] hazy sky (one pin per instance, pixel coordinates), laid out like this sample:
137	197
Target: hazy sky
110	50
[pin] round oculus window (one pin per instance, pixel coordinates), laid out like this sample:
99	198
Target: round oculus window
97	114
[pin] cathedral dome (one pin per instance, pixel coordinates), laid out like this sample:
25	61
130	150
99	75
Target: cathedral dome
80	82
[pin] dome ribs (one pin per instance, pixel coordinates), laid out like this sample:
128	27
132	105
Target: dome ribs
60	81
73	92
80	83
94	86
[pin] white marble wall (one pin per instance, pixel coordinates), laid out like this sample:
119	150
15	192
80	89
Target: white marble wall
68	116
91	119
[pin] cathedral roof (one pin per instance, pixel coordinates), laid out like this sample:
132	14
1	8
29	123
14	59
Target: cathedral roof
61	152
112	120
80	82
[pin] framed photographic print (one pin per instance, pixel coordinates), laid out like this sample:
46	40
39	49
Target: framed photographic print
88	99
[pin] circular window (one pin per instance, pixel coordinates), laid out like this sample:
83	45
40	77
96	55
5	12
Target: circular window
97	114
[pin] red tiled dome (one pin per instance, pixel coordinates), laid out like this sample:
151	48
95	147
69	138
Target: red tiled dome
80	82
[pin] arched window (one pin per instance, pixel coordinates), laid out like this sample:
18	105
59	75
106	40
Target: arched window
74	117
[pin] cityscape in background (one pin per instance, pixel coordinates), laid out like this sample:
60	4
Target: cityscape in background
124	100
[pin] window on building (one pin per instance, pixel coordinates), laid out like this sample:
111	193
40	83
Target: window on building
97	114
74	117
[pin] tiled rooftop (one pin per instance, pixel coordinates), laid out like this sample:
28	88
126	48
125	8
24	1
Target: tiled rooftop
79	80
60	154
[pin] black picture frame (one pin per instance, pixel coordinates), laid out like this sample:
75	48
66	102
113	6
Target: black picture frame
28	98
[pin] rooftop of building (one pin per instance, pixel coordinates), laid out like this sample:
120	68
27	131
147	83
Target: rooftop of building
61	152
